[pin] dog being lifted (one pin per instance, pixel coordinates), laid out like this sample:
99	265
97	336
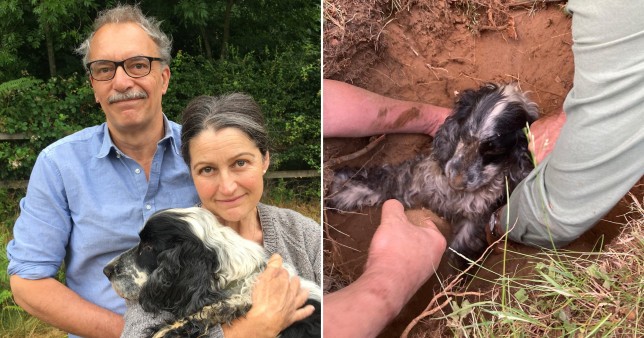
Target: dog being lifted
480	146
197	273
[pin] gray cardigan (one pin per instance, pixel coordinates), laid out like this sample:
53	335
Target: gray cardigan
296	238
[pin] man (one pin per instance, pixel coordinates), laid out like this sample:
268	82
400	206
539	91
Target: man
90	193
599	151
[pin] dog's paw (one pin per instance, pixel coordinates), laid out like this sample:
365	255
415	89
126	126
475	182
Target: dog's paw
349	191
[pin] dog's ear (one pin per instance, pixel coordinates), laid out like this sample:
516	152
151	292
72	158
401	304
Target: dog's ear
183	282
522	158
517	116
520	161
154	293
446	139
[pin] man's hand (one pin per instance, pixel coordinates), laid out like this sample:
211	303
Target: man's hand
402	256
399	244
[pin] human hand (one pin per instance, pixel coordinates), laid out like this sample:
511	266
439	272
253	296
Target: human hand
277	302
399	248
402	256
544	134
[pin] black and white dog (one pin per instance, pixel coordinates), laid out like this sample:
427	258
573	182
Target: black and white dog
200	271
480	145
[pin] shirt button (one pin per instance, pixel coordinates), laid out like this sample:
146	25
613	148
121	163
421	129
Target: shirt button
147	206
137	170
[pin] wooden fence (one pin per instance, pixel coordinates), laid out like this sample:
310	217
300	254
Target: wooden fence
10	137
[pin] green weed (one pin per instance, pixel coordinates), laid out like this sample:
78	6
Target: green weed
562	294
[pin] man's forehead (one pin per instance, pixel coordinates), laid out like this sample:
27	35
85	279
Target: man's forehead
118	41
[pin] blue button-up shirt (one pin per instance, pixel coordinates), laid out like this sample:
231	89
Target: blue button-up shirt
86	203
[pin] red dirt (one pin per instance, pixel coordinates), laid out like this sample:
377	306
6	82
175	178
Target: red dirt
427	51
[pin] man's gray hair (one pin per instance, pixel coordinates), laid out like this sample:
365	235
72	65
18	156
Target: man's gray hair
133	14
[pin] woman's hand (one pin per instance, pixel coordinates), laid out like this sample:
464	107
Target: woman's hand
277	303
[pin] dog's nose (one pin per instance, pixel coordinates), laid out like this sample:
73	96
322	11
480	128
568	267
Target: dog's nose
457	182
455	175
108	270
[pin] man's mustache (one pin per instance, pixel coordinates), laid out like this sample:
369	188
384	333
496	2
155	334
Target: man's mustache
126	96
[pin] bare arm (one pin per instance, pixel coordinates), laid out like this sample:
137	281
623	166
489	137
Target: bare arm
54	303
351	111
398	248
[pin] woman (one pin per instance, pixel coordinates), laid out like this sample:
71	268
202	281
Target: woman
225	145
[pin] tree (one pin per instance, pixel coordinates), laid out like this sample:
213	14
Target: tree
198	14
15	35
224	44
54	19
203	15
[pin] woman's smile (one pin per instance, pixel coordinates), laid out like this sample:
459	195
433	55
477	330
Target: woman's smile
230	201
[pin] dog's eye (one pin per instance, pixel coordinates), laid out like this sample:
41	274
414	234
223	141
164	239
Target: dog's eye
492	151
488	147
145	249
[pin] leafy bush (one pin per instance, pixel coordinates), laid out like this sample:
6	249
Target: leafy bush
45	112
285	83
284	191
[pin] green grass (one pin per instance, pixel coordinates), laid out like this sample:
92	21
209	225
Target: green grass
560	294
14	321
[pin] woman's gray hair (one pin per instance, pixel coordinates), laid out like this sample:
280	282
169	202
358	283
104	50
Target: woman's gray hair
236	110
133	14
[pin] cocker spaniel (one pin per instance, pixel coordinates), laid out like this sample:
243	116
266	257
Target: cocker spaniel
479	148
200	271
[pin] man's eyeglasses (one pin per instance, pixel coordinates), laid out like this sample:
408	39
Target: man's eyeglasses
137	66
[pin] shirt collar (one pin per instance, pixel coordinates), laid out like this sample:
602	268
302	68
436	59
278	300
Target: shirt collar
108	146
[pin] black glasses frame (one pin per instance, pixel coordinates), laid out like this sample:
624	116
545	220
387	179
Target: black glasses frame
121	64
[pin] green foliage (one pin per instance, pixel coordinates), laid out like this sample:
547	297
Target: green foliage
18	84
27	25
283	191
45	112
197	27
8	214
285	83
13	37
283	23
